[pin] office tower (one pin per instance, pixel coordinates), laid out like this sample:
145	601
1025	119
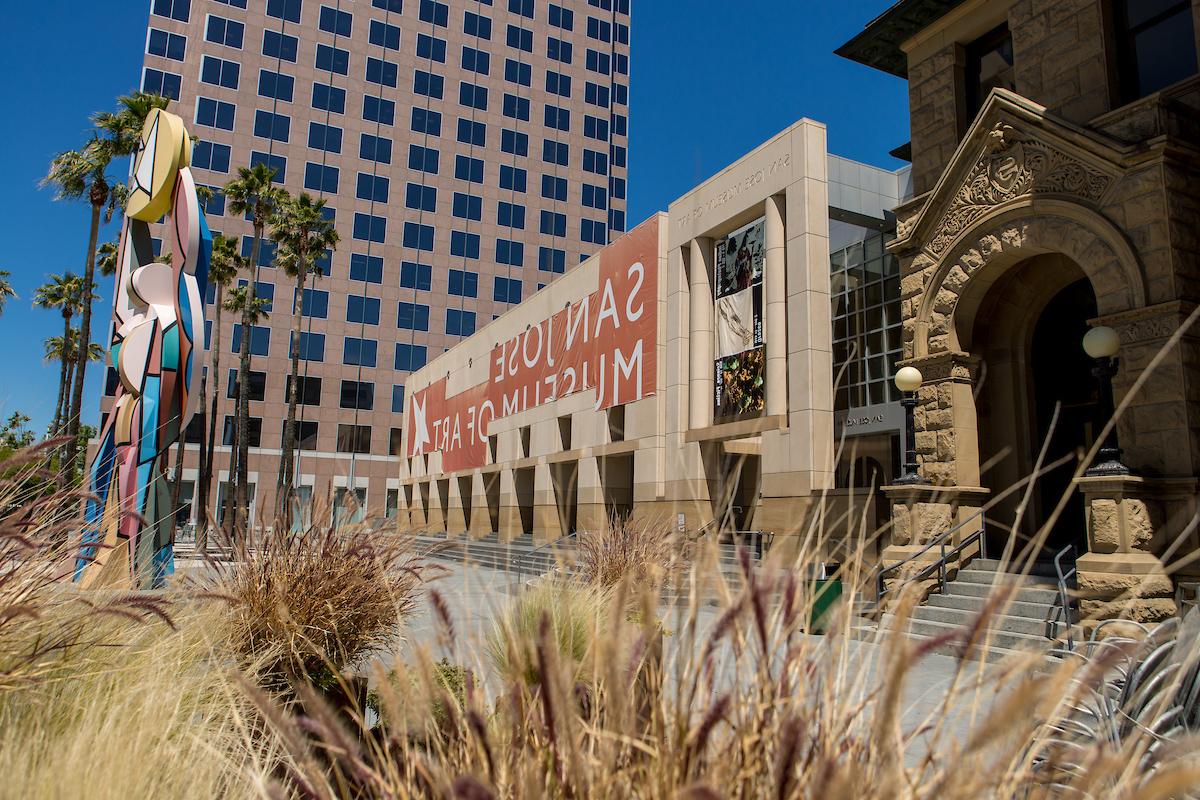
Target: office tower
469	152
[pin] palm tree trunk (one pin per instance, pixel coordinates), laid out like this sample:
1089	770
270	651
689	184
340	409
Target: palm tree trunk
59	409
199	501
243	396
207	470
177	480
85	339
283	486
230	514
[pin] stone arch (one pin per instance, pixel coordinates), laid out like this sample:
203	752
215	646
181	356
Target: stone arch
1013	232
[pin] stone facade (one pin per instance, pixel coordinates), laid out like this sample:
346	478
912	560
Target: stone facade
1056	182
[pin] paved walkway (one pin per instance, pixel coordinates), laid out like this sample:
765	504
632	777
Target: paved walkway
473	596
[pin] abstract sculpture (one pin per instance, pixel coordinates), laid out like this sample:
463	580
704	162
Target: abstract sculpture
157	349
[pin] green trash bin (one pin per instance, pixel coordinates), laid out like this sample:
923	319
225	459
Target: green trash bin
825	592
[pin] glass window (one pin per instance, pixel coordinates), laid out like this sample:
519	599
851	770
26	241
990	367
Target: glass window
308	390
424	159
233	3
1156	44
253	431
375	148
321	178
287	10
420	197
510	252
553	223
305	432
557	153
460	322
989	66
398	399
594	231
468	169
353	438
359	352
520	38
276	85
256	383
561	17
510	215
372	187
260	340
599	29
174	9
314	303
554	188
464	244
366	268
595	196
272	126
435	13
166	84
395	6
384	35
412	316
426	121
415	276
552	260
312	346
467	206
471	132
558	83
472	96
210	156
476	25
215	113
513	178
215	205
477	61
431	47
361	309
516	107
516	72
428	84
376	109
329	98
266	251
464	283
334	21
280	45
410	357
596	61
557	118
220	72
165	44
333	59
514	142
595	94
595	162
506	290
385	73
324	137
558	50
370	228
418	236
274	162
595	128
228	32
522	7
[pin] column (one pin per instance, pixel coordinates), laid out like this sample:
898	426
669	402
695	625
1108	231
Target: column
701	303
775	299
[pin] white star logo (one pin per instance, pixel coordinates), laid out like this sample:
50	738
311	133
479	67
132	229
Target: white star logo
420	427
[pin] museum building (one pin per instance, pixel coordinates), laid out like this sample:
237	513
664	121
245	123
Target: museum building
686	371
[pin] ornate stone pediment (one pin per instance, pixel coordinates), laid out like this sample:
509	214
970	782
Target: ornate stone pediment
1014	149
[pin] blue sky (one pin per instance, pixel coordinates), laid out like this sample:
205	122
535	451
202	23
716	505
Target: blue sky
707	85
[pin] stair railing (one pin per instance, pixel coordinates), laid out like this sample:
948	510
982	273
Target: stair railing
1062	611
938	566
523	561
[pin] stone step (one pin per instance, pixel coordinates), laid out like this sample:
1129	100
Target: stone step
1043	569
975	605
1038	596
990	577
1001	640
1029	626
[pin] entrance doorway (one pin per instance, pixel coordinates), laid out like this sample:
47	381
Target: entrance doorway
1028	332
565	478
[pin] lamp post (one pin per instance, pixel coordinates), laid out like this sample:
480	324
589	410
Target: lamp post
1101	344
908	380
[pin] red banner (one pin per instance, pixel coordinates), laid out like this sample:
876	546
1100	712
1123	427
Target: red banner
606	341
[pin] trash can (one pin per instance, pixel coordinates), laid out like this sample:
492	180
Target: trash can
825	591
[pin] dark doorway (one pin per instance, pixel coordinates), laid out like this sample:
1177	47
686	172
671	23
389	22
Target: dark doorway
1061	376
565	477
523	483
464	494
616	478
491	491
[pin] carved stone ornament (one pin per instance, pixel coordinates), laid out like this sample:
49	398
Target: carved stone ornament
1013	165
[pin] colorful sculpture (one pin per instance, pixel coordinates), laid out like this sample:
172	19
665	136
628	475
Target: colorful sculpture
157	348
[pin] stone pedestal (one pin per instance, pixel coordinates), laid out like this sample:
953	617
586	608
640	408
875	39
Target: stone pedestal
920	514
1121	575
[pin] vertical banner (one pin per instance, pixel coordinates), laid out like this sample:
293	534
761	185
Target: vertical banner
740	367
606	341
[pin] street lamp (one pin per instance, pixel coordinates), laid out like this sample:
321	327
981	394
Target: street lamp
908	380
1101	344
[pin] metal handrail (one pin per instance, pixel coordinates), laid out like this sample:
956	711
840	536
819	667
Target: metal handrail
519	563
939	566
1061	612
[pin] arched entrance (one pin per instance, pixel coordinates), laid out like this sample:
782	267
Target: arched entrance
1035	391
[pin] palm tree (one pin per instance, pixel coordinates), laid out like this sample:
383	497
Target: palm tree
303	233
6	288
106	258
252	192
222	269
64	292
65	350
79	174
242	299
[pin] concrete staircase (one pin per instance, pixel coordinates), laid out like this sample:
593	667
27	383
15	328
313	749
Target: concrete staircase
1021	624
